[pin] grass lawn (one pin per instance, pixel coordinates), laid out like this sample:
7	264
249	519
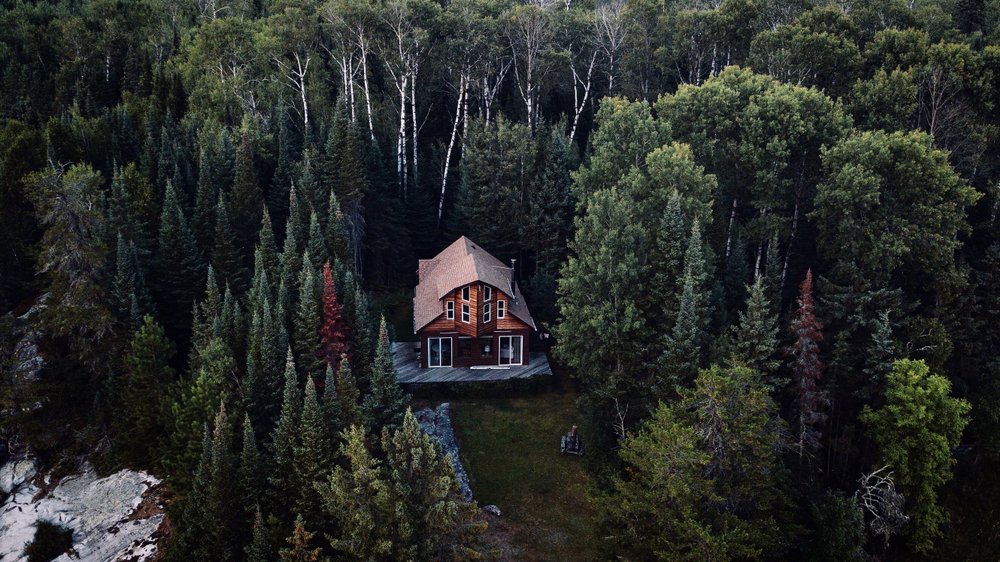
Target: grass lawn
510	448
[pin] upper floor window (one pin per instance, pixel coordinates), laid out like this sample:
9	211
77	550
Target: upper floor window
465	314
465	293
501	309
450	310
487	313
487	293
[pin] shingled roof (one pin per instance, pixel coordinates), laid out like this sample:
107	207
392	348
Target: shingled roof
458	265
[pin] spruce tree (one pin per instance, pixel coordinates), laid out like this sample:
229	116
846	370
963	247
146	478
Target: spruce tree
431	516
307	325
682	346
130	286
206	195
206	315
283	442
247	198
332	411
384	406
333	331
225	257
312	456
317	242
269	251
250	476
210	518
807	369
668	261
122	219
145	376
347	392
291	267
179	275
337	243
300	551
188	409
756	334
258	550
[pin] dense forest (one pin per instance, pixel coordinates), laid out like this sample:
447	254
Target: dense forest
762	233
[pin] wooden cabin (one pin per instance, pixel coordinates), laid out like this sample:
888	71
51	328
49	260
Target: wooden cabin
468	310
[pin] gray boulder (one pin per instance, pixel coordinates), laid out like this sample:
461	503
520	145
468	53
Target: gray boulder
437	424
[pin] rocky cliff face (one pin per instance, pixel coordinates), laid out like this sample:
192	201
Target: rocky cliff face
117	518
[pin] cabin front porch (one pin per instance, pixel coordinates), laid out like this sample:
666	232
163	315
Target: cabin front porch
406	356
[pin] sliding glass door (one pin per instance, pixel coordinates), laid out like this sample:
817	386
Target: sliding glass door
510	350
439	352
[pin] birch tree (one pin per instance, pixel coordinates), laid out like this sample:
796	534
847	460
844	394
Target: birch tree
530	35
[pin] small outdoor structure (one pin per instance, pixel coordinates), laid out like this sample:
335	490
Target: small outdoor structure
469	312
571	443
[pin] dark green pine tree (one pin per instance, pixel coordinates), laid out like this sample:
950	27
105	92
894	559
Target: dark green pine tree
682	346
206	315
232	326
122	219
258	550
772	275
269	252
225	257
250	479
305	190
386	403
695	258
364	337
307	323
284	488
260	284
129	296
206	195
337	243
345	165
347	392
668	260
879	356
210	517
756	335
166	164
317	242
247	199
299	541
264	347
332	412
256	398
277	195
312	457
291	265
145	377
186	411
179	274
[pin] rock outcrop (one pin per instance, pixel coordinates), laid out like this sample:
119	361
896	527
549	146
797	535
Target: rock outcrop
437	424
117	518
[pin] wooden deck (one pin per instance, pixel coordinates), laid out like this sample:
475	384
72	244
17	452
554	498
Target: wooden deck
407	360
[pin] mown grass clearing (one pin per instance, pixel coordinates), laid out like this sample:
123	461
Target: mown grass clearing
510	448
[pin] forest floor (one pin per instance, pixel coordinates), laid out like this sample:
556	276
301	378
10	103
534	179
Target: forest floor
510	448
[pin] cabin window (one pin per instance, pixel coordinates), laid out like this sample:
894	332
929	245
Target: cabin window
487	293
465	348
450	310
465	293
510	350
465	314
486	347
501	309
439	352
487	313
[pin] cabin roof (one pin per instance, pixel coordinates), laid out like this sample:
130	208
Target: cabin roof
460	264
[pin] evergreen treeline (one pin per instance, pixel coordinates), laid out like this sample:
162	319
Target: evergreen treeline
762	231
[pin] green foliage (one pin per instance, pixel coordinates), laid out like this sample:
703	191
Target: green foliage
406	507
916	431
385	404
50	542
179	274
703	478
840	529
312	456
756	339
146	376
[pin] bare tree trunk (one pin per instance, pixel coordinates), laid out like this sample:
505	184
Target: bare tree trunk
729	235
451	145
413	118
578	105
401	139
368	98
